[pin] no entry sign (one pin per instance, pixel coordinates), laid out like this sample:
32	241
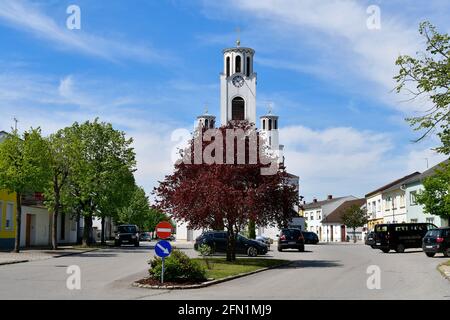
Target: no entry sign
164	230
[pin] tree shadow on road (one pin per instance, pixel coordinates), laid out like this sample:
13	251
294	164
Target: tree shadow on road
313	264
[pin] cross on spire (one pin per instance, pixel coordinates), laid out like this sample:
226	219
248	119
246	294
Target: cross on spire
15	123
238	41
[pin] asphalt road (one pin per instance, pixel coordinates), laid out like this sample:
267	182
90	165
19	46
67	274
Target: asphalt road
323	272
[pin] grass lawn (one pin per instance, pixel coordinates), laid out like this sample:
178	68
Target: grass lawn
447	263
221	268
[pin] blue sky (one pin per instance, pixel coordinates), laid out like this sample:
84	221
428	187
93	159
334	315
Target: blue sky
149	67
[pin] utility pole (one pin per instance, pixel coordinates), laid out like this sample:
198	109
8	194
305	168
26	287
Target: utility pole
15	123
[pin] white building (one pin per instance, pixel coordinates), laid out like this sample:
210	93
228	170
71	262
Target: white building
333	228
314	212
238	102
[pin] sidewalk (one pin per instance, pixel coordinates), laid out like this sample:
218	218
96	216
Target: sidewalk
27	255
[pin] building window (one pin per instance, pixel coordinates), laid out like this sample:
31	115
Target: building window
248	66
9	216
402	201
412	198
430	220
318	215
270	124
264	124
379	206
228	67
312	216
414	220
238	109
275	124
238	64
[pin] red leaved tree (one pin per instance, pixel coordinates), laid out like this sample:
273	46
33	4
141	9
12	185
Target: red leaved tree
215	186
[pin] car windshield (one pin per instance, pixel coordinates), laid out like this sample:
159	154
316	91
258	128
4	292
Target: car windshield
127	229
434	233
291	232
381	228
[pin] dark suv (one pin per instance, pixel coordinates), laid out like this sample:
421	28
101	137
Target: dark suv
217	240
127	233
437	241
291	239
310	237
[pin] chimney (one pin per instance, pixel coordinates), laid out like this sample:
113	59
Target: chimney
315	200
330	197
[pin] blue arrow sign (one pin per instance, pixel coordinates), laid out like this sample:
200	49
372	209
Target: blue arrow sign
163	249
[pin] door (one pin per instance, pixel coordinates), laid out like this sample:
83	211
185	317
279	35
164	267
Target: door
343	235
332	233
28	230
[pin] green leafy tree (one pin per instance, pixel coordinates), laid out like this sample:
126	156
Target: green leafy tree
138	210
23	168
100	172
428	75
354	217
436	194
63	149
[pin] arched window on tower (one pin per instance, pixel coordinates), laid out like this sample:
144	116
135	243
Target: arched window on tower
238	64
248	66
270	124
275	124
228	67
264	124
206	123
238	109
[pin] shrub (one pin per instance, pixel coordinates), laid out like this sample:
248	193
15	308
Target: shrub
177	267
206	251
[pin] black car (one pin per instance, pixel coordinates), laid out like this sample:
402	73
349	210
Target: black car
145	236
127	233
437	241
217	240
400	236
370	239
310	237
291	239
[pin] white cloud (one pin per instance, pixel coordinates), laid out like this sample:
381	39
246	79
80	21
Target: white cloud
343	161
332	36
25	16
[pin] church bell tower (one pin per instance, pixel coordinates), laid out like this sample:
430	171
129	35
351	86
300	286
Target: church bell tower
238	85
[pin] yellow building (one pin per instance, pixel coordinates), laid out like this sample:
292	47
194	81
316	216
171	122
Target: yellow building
8	213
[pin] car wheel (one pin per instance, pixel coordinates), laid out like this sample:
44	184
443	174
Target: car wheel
279	249
446	252
373	247
301	249
400	248
430	254
136	244
252	252
385	250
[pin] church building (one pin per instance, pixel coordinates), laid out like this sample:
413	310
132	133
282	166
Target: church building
238	82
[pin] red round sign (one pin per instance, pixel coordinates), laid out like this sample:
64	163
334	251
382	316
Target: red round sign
164	230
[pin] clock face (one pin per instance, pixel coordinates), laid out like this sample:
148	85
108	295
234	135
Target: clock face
238	81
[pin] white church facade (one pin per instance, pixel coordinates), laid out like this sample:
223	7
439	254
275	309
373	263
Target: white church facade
238	102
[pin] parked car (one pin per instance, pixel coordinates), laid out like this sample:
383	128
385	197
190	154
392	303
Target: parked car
127	233
437	241
145	236
217	240
400	236
265	240
370	239
291	238
310	237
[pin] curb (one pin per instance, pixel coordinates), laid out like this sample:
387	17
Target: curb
209	283
55	257
13	262
441	268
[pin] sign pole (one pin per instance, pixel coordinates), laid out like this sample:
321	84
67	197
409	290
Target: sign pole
162	271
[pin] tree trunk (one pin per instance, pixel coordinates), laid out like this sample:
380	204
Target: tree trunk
231	244
87	231
55	222
252	229
103	231
354	235
18	221
79	238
